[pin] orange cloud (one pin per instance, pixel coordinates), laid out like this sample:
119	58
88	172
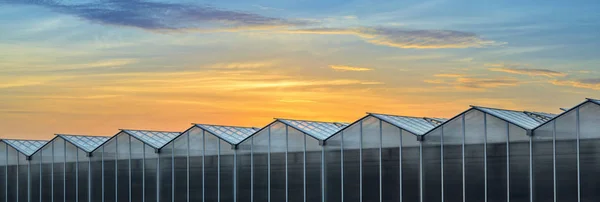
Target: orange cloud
343	68
593	84
511	69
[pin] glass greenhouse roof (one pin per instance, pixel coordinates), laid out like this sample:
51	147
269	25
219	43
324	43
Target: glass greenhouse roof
231	134
156	139
594	101
27	147
86	143
524	119
415	125
316	129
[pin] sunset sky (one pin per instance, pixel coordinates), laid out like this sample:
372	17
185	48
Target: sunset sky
94	66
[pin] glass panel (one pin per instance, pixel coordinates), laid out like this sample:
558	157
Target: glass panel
244	181
150	174
226	172
543	171
351	149
96	169
59	169
296	142
12	173
36	160
23	177
260	159
453	179
474	156
313	166
137	168
566	157
589	122
519	164
196	150
211	167
497	131
3	166
371	142
71	187
110	155
432	166
278	147
123	167
333	165
166	173
410	167
83	176
180	155
390	156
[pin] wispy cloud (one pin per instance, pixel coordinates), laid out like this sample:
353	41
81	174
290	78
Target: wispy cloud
593	83
343	68
472	83
152	15
243	65
403	38
450	75
514	69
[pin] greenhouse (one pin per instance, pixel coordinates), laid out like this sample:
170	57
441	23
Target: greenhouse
15	168
481	155
376	158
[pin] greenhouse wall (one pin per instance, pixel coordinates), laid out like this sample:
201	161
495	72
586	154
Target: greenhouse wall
481	155
372	160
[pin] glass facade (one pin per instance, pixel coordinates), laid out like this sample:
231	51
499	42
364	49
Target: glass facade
481	155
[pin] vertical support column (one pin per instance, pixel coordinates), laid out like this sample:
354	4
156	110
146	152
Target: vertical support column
554	158
578	158
17	166
64	171
531	168
507	162
360	161
28	180
219	170
234	175
6	174
304	168
421	171
116	168
400	164
203	169
102	162
158	175
286	165
52	174
89	178
77	174
251	169
323	181
442	161
269	165
380	161
187	156
173	171
342	164
143	173
485	162
464	180
129	145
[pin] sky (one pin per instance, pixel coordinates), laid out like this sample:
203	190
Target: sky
92	67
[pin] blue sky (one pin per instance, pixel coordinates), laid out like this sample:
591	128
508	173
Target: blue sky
93	66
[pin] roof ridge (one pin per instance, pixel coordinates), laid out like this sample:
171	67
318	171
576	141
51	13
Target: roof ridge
513	110
122	129
249	127
78	135
416	117
334	122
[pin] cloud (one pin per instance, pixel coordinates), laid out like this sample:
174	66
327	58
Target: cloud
450	75
242	65
471	83
513	69
482	83
403	38
593	84
160	15
343	68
